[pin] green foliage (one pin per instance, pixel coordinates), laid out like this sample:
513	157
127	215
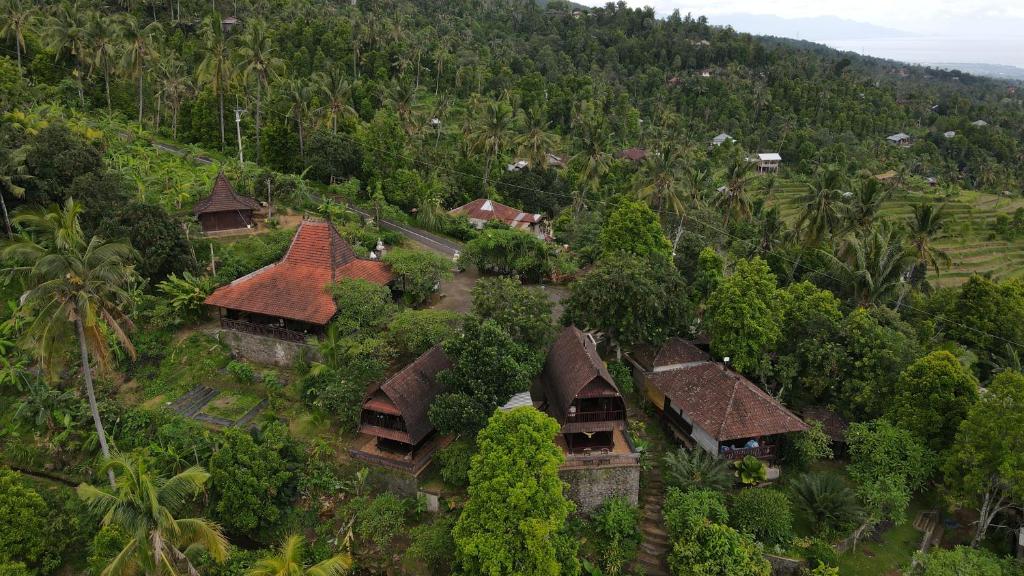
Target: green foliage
510	253
632	227
184	296
750	470
630	300
413	332
23	524
763	513
524	313
709	273
107	543
716	550
811	445
252	481
888	464
878	347
250	254
455	460
622	376
363	306
744	316
825	501
697	470
820	553
379	519
963	560
988	314
932	398
432	545
8	568
685	511
418	272
242	371
617	524
514	519
810	352
488	367
155	234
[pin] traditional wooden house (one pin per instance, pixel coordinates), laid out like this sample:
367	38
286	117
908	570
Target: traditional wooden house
223	209
576	389
393	424
768	161
483	210
708	405
289	300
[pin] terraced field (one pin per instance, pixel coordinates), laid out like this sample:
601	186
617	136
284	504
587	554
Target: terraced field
969	240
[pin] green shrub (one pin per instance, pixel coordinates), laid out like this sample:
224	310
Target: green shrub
617	523
413	332
14	569
455	461
432	545
685	511
622	375
242	371
763	513
381	519
819	551
107	543
23	523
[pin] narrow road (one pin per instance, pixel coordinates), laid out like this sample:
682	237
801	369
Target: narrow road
434	242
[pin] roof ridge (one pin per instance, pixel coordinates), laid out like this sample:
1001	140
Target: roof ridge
732	399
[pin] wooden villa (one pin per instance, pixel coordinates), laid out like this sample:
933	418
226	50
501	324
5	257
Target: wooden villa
483	210
768	161
394	429
289	300
707	405
224	210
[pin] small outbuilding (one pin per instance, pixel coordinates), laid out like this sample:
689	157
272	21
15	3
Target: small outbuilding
768	161
223	209
900	139
484	210
722	139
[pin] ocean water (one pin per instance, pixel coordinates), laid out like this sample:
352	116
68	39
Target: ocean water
931	49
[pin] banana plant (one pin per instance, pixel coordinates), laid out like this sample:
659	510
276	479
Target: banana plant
750	471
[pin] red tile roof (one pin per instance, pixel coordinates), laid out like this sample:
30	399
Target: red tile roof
723	403
673	352
831	423
224	199
296	287
484	209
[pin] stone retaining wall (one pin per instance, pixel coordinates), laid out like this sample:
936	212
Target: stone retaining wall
263	349
590	487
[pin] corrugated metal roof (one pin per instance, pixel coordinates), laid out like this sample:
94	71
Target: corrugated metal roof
518	401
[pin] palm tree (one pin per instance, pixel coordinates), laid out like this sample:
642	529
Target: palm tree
17	19
215	68
822	211
337	93
175	86
825	501
865	201
258	62
12	171
871	266
68	39
490	135
138	50
288	562
73	283
923	230
102	32
732	199
659	181
300	98
143	504
696	470
536	142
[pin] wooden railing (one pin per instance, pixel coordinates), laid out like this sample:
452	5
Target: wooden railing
761	452
405	463
596	416
262	330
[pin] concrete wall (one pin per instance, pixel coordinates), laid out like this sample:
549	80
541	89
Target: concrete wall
590	487
263	349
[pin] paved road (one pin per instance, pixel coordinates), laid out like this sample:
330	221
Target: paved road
434	242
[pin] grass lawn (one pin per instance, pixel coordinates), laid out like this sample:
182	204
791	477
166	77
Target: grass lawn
231	405
888	554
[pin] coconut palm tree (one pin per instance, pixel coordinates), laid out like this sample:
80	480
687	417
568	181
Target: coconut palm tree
864	202
216	66
732	199
337	93
139	49
257	62
696	470
67	38
102	33
12	171
871	266
175	87
144	504
288	562
491	134
19	17
77	288
300	97
536	142
923	230
822	212
660	182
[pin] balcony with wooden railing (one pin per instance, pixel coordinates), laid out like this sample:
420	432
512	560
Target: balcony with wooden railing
263	330
766	452
596	416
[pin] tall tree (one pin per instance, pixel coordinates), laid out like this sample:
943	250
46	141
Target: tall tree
732	198
259	64
933	396
300	100
822	210
871	266
144	505
288	562
337	93
12	172
491	134
73	283
68	39
923	230
102	31
139	51
867	198
19	17
216	67
175	87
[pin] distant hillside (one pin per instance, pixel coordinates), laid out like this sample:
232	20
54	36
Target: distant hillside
819	28
999	71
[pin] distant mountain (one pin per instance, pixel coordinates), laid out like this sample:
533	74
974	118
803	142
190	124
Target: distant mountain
998	71
818	28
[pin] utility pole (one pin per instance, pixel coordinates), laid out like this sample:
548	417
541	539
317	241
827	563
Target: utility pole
238	130
270	207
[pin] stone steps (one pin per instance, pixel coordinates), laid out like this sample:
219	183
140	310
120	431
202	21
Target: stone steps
193	401
654	543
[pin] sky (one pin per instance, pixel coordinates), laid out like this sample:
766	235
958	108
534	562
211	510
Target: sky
926	31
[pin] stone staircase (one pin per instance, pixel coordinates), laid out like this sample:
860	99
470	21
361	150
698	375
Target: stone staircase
193	401
654	543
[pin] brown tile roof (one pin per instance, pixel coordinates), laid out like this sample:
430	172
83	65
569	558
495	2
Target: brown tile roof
485	209
412	390
224	199
571	366
632	154
723	403
296	287
833	424
673	352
